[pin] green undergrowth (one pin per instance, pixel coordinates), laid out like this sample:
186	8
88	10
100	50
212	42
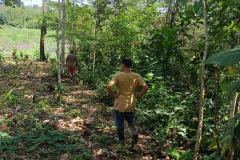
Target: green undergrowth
24	40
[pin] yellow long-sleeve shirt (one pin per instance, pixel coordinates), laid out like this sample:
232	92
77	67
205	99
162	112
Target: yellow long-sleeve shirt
126	84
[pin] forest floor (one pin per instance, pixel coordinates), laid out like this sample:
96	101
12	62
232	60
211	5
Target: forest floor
34	125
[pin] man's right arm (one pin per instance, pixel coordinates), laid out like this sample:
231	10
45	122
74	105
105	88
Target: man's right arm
110	86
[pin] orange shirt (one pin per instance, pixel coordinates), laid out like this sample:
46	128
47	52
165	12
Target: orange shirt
126	84
71	60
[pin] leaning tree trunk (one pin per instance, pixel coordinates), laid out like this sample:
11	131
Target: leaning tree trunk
202	89
63	33
43	33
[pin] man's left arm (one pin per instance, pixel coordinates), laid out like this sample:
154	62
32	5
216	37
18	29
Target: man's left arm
67	60
144	86
143	91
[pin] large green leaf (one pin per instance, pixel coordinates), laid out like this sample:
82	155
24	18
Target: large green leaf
235	86
225	58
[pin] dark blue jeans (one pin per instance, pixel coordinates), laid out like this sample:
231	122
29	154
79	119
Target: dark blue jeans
119	122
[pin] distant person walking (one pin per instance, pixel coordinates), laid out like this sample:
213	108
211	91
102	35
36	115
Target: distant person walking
71	63
126	82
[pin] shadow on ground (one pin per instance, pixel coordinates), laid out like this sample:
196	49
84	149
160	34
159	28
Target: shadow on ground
33	125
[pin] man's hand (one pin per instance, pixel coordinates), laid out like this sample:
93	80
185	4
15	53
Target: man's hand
110	91
143	92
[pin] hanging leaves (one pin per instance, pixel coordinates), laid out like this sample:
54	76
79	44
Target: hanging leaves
225	58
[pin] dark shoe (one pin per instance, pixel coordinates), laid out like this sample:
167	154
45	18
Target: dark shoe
134	139
132	148
117	141
120	133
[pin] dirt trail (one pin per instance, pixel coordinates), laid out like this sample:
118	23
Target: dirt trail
78	127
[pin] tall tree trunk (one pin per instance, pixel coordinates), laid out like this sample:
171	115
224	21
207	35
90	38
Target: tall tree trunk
234	104
218	103
236	148
72	47
234	109
202	89
94	50
95	37
58	45
238	37
63	34
172	12
118	4
169	11
43	33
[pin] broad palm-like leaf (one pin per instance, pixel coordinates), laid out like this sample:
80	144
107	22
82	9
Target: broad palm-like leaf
235	86
225	58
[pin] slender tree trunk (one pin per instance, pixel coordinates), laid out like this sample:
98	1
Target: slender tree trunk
234	104
58	45
237	106
238	35
218	102
169	11
72	47
173	13
94	51
63	34
202	88
95	38
118	4
233	111
43	33
236	148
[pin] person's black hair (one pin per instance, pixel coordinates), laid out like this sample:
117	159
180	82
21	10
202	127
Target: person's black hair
127	62
72	52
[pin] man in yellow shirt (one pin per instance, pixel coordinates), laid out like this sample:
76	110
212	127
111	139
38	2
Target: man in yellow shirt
126	82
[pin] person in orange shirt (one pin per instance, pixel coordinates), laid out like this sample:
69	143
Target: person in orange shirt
71	63
125	99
